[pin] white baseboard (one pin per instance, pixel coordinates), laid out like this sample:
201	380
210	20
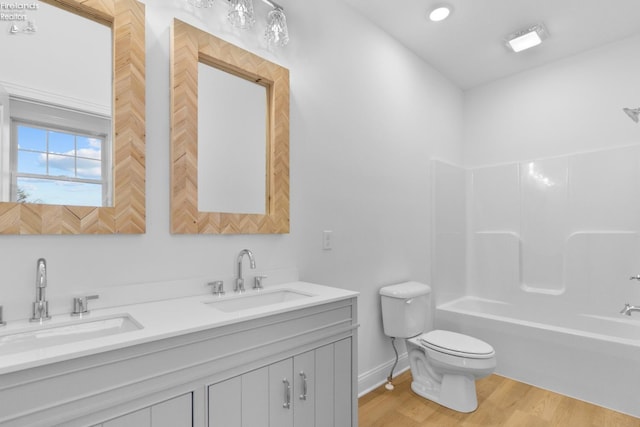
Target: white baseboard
374	378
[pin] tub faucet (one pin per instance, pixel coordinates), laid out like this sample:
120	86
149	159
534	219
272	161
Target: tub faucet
628	309
239	280
41	305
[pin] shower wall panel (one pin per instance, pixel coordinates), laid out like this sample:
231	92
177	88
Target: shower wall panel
543	219
564	228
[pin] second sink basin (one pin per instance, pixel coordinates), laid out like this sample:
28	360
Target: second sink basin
37	337
254	300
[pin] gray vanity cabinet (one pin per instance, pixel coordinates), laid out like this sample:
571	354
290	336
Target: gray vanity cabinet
176	412
228	376
311	389
249	391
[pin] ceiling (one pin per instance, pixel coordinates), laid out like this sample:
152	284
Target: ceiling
469	47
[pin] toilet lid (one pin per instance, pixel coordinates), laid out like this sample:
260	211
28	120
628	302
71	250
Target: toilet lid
457	344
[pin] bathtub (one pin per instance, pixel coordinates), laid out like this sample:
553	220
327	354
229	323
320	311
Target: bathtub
595	358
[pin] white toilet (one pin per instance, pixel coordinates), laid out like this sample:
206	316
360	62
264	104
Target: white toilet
444	365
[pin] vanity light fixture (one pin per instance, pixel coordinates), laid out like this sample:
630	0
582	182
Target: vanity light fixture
440	13
241	16
633	113
201	3
276	33
527	39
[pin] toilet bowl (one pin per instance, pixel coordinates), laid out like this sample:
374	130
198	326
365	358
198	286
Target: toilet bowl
444	365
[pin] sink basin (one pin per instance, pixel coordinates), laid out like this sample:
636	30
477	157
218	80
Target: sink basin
41	336
254	300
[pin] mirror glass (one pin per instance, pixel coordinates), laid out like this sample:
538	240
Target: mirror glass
232	143
56	91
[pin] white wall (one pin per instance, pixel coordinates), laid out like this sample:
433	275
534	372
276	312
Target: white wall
366	117
449	247
569	106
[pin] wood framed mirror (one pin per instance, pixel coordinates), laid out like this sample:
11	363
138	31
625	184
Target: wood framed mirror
191	49
125	210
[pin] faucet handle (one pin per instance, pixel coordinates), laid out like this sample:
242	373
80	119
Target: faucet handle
81	305
218	287
2	322
257	282
636	277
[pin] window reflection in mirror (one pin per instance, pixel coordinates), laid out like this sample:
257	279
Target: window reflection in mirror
232	143
56	104
58	156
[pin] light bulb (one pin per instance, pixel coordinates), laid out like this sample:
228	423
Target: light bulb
241	14
440	13
277	33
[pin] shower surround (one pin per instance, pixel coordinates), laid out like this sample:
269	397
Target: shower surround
566	227
563	229
555	239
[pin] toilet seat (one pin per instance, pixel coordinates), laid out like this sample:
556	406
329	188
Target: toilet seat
456	344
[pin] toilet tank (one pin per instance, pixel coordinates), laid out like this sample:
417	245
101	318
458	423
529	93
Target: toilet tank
406	309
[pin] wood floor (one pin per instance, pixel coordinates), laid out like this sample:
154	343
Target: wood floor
502	402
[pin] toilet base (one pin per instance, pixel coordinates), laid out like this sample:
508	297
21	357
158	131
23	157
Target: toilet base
457	392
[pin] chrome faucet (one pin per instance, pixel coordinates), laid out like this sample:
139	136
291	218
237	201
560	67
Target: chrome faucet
239	287
628	309
41	305
81	305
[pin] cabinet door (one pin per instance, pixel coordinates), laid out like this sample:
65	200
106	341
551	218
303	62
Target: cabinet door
304	394
325	384
225	404
343	395
255	398
176	412
313	389
141	418
281	394
242	401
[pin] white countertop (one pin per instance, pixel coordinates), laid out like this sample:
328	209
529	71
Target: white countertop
159	320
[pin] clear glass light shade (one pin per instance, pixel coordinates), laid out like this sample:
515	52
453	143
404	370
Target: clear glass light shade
276	33
201	3
241	13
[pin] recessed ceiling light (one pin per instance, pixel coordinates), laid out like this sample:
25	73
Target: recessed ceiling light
527	39
440	13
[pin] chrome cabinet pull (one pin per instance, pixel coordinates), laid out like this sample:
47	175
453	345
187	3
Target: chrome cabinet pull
303	396
287	394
